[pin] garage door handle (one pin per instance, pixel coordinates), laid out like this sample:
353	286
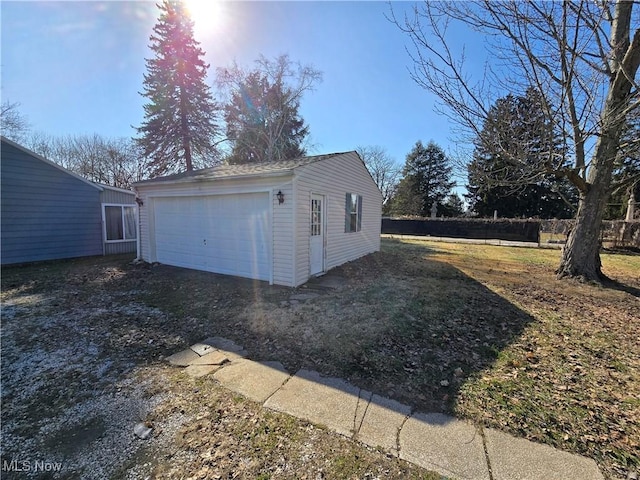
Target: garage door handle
204	242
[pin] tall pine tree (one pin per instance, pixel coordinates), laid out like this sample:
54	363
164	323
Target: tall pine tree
512	152
426	179
180	127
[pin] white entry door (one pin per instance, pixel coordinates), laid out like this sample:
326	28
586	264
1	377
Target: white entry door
317	234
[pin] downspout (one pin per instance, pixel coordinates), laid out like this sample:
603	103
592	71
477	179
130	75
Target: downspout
294	207
271	233
103	229
138	204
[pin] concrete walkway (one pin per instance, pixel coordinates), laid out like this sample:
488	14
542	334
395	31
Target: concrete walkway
436	442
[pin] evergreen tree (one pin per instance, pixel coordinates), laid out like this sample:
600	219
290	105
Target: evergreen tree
626	172
426	179
261	124
180	118
517	140
262	115
453	206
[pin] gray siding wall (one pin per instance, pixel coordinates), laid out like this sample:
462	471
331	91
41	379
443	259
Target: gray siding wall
120	247
334	178
46	213
114	196
121	198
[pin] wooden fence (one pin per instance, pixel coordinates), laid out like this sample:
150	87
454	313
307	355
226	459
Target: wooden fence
614	234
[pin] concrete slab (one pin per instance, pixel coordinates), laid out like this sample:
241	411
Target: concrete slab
197	371
519	459
257	381
202	348
448	446
183	358
322	400
223	344
233	356
382	422
215	357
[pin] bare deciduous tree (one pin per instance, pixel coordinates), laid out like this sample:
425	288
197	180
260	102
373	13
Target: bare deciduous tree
384	170
116	162
13	124
581	56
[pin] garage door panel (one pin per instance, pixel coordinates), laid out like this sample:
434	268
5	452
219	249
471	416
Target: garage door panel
180	259
223	233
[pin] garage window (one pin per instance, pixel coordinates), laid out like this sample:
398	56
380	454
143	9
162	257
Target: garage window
119	222
353	213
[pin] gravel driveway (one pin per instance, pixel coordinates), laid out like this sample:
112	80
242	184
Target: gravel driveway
74	355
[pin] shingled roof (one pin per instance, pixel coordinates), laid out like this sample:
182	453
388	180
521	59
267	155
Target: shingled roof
224	171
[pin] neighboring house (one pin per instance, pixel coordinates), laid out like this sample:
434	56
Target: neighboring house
48	212
280	222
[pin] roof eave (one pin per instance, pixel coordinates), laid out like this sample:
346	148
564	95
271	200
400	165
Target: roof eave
115	189
282	173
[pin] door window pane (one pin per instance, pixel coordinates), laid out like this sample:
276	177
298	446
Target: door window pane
316	217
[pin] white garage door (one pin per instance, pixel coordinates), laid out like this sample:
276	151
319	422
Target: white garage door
222	233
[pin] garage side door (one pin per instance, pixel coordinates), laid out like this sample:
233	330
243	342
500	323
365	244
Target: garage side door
223	233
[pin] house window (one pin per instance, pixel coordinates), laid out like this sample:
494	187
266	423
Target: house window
120	223
353	213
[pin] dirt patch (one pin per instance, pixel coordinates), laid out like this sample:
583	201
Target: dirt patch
481	332
83	349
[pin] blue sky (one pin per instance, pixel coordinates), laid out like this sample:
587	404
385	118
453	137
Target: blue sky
77	67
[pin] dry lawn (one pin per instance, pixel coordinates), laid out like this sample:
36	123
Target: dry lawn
481	332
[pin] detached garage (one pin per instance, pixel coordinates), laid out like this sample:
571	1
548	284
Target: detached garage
281	222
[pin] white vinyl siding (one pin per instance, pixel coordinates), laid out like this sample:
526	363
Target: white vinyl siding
283	235
289	227
334	178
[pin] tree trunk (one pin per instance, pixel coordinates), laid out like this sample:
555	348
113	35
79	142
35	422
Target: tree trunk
581	253
184	127
187	153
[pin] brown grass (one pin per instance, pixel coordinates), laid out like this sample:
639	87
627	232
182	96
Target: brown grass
481	332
